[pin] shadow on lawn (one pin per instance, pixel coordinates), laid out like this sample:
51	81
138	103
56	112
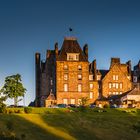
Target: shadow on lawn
30	130
110	124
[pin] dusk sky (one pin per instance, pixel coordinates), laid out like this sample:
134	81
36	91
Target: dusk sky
111	28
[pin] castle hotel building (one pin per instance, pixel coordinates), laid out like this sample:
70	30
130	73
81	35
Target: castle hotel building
66	76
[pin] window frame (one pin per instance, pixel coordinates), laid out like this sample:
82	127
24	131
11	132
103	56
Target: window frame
65	78
79	78
65	87
79	67
79	87
91	95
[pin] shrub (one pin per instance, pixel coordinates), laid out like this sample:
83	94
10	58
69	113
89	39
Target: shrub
106	106
2	109
82	108
27	110
134	111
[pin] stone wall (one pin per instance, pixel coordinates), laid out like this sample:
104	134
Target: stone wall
72	81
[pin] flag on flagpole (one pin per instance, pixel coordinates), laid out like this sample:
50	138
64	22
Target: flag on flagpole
70	29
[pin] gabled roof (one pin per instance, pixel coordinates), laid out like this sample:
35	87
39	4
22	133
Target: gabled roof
51	97
70	45
120	67
134	91
119	96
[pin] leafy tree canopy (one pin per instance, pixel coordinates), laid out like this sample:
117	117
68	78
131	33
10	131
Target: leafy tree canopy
13	87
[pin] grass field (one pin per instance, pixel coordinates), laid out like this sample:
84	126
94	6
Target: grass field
59	124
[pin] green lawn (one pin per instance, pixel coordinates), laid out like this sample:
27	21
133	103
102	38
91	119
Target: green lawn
59	124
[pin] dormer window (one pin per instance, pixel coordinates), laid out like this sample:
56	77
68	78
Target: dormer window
73	56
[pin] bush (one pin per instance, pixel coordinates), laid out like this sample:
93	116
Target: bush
2	109
28	110
83	108
106	106
14	110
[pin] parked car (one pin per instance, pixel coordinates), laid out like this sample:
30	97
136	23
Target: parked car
92	106
113	106
72	105
61	105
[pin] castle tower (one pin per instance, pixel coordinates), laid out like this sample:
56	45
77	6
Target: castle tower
37	77
64	75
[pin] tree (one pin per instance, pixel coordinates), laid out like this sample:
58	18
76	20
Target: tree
84	101
13	88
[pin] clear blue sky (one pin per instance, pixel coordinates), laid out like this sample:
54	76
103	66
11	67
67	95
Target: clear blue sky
110	27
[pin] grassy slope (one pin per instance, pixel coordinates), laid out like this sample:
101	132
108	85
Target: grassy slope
90	125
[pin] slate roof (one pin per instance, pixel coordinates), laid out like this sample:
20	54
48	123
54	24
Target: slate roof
103	73
70	45
134	91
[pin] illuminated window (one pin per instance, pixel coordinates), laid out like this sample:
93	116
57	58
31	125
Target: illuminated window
72	56
65	101
79	67
79	87
65	76
91	86
90	77
77	56
91	95
120	92
117	93
110	85
117	85
109	93
120	85
65	67
79	76
65	87
114	85
72	101
115	77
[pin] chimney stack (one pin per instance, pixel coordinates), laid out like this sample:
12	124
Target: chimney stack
129	67
56	49
94	69
85	50
114	61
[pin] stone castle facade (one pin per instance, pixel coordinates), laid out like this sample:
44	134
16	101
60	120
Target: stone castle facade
66	76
